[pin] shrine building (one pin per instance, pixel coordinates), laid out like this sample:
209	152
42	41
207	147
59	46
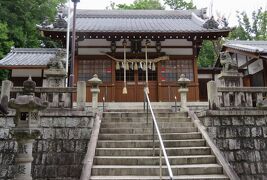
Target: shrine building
153	47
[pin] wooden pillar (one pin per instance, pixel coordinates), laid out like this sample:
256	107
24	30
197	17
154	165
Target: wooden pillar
195	66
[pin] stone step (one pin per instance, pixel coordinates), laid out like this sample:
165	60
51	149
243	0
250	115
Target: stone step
190	169
143	114
167	136
147	130
138	125
181	177
149	151
153	160
149	143
144	120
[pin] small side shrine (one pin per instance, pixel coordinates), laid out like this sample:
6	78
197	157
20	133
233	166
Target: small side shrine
26	130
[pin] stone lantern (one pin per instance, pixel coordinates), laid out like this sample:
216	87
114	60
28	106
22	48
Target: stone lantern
26	129
95	81
183	90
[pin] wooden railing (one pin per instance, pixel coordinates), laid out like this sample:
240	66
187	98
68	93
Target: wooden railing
235	97
60	97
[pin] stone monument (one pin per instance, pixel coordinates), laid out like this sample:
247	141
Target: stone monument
26	128
229	76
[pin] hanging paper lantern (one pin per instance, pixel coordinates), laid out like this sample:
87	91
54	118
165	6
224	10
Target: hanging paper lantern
153	67
122	65
141	65
117	66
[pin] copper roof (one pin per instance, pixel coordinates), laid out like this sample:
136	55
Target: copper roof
25	57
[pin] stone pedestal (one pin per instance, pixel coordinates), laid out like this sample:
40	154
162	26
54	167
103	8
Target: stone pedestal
230	79
94	92
24	156
55	77
183	95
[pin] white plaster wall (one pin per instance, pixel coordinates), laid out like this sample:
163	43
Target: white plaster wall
178	51
103	42
204	76
26	72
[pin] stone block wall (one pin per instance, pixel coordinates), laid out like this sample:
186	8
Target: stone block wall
241	135
58	153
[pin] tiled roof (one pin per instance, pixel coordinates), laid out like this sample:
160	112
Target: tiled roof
23	57
249	46
141	21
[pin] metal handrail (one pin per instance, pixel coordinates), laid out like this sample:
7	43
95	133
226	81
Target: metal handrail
162	147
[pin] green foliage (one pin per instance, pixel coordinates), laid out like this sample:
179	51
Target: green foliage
207	54
141	4
5	43
180	4
254	29
21	17
18	20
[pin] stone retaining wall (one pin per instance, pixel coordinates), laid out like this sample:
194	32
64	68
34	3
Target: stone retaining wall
241	135
58	153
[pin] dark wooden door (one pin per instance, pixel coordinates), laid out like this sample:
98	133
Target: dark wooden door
135	88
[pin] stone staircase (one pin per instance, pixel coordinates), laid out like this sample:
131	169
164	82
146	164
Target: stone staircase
125	148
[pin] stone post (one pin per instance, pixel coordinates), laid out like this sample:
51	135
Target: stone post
183	90
95	81
81	95
5	89
212	95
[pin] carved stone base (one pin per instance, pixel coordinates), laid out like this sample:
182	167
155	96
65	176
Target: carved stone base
230	79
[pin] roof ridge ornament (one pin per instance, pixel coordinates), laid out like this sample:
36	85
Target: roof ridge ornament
211	24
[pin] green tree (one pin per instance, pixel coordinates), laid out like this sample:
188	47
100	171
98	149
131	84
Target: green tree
21	17
207	54
5	45
142	4
253	28
180	4
18	20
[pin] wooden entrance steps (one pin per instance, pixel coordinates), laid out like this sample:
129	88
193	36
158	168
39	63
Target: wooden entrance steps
125	148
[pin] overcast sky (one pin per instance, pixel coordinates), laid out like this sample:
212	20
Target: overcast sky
227	8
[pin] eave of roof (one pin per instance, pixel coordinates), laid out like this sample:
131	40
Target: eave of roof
139	22
248	46
28	58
